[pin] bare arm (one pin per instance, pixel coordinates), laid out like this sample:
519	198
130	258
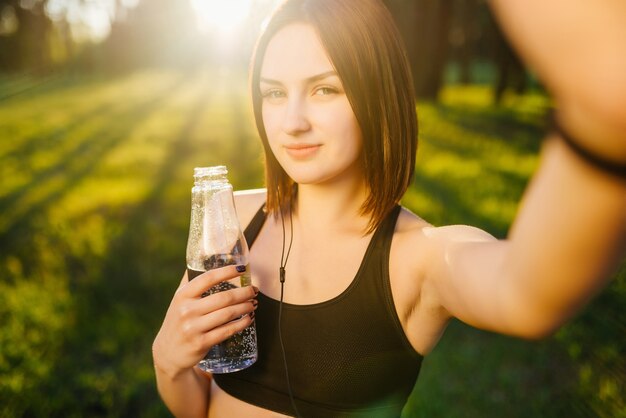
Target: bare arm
578	49
191	326
570	233
568	238
186	395
566	241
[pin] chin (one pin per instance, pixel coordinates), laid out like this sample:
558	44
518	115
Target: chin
300	176
314	173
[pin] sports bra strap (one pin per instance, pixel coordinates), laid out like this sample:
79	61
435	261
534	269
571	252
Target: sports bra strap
255	225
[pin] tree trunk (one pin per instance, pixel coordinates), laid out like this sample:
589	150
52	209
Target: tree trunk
424	25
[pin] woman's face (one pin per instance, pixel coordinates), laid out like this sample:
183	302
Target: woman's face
309	122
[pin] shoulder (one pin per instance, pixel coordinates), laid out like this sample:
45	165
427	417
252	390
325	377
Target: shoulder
456	233
409	227
248	203
419	253
408	247
412	231
408	256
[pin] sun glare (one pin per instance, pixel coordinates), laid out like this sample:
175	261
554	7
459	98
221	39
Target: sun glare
224	17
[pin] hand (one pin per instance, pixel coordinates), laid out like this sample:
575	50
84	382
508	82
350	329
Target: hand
194	323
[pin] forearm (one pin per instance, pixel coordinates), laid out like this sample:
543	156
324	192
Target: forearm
187	394
193	324
577	49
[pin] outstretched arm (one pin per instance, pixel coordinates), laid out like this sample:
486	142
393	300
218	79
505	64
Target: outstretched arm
570	233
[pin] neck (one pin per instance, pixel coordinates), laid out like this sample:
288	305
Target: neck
332	206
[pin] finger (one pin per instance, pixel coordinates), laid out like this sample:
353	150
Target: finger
226	298
223	332
225	315
191	310
183	281
200	284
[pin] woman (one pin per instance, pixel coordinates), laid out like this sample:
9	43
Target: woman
369	286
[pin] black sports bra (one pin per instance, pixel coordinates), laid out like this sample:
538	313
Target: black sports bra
347	356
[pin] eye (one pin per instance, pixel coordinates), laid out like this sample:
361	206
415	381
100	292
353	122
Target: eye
273	95
325	91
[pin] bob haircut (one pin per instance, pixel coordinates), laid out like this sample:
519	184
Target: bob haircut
366	51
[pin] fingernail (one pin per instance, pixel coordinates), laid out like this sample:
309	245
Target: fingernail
256	290
241	268
255	303
251	315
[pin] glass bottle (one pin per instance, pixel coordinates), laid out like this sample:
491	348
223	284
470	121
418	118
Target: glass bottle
216	240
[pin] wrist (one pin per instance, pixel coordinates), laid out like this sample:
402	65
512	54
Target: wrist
167	370
590	156
170	372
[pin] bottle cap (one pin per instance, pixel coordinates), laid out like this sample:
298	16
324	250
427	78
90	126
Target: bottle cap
215	171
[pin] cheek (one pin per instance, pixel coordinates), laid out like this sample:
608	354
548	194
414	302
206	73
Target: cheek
349	126
341	123
270	125
351	131
267	121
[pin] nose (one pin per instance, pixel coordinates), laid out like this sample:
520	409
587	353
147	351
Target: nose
296	120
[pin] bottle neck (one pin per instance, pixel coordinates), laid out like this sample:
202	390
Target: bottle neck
211	177
212	182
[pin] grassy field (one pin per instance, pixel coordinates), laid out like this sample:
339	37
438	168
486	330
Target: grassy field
94	210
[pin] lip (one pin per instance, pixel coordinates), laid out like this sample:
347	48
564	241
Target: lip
302	151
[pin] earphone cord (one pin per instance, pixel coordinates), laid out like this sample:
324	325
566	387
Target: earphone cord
283	263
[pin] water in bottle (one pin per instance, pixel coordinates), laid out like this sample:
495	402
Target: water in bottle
216	240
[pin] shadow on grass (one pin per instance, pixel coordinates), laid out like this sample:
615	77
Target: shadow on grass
121	306
15	86
490	375
48	139
521	134
74	166
457	210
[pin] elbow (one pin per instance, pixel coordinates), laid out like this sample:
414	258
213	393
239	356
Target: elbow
533	321
538	325
537	332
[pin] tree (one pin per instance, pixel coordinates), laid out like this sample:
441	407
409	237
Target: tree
156	32
425	25
440	32
27	48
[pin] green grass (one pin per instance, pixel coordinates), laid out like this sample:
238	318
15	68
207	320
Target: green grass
94	209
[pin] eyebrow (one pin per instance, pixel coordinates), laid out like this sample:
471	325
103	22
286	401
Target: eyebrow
307	80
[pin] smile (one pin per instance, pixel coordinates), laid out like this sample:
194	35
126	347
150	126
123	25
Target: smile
302	151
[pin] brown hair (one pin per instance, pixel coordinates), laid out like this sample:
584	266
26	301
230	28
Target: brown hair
366	50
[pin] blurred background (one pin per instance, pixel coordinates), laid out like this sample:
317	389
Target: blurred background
105	108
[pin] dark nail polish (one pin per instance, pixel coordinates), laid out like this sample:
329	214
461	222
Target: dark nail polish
255	302
251	315
241	268
256	290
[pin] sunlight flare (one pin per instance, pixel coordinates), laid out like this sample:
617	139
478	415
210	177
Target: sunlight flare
225	18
